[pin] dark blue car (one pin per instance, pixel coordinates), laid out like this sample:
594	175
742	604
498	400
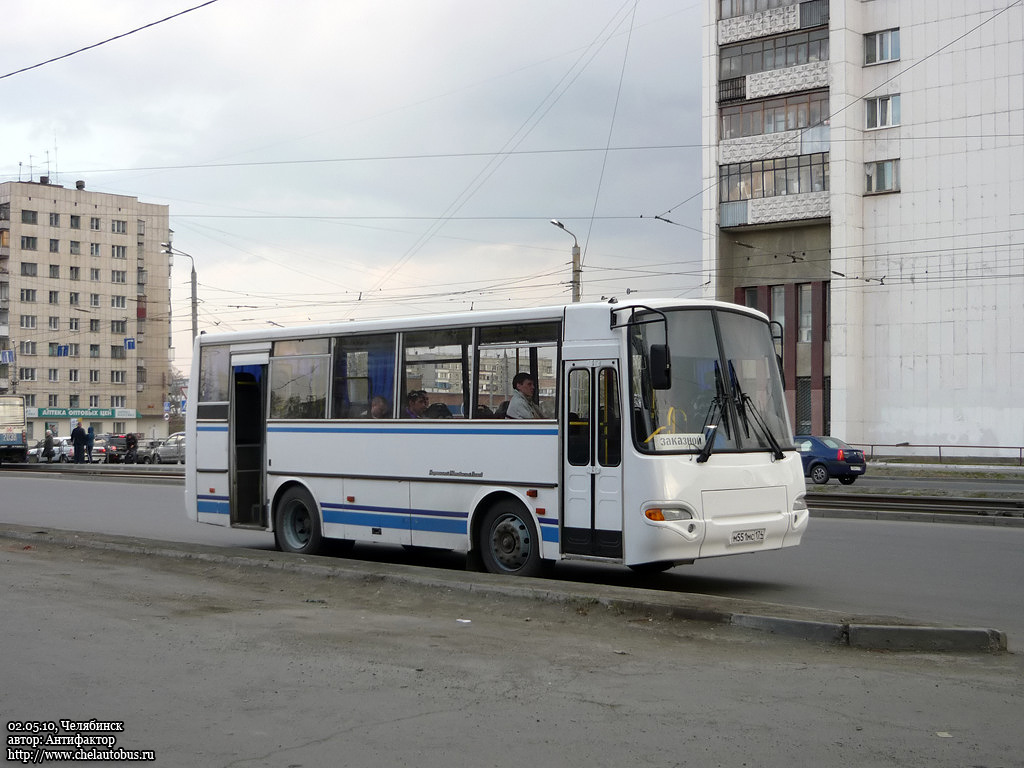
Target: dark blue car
826	457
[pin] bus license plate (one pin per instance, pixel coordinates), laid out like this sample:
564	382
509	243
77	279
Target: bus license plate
752	536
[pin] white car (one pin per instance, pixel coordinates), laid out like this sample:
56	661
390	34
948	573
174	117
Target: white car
63	451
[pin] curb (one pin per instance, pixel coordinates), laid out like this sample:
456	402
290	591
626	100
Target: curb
819	626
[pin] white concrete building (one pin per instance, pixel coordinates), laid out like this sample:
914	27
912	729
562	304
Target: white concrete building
85	308
864	185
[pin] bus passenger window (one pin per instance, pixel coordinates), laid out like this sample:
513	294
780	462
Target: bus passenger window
364	377
506	350
298	387
436	370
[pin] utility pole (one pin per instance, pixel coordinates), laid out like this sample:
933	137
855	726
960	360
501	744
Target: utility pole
577	270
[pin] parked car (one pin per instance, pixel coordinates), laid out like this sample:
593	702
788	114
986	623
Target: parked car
146	448
171	450
118	450
99	450
63	451
826	457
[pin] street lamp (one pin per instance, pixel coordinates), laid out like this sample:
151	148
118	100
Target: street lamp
576	270
169	249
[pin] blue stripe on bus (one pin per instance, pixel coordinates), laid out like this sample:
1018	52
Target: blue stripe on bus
434	521
213	505
214	428
548	529
414	430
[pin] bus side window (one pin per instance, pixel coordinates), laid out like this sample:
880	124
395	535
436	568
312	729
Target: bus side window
577	441
436	363
363	369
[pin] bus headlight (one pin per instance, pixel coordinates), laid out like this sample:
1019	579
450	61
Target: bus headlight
667	514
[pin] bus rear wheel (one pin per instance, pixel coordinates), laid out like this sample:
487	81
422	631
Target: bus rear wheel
508	541
297	523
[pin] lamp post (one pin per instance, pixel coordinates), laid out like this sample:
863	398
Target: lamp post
170	250
576	270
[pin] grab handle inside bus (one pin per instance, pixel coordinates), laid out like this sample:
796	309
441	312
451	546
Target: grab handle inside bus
661	366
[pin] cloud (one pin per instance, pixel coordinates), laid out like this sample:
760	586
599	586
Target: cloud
435	140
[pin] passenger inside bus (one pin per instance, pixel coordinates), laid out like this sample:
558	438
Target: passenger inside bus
522	405
416	403
380	408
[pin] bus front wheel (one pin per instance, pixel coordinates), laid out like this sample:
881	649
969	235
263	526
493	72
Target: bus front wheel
508	540
297	523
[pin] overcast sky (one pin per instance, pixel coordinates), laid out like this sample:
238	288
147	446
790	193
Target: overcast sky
331	160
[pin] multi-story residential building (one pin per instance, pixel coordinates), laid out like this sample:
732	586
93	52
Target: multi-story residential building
84	307
864	186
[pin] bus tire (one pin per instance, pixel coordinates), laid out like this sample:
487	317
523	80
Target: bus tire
508	541
297	523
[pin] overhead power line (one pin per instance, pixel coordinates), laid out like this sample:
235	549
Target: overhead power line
108	40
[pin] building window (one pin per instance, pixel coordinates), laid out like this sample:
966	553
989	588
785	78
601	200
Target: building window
27	348
54	297
117	352
770	178
883	112
119	251
118	326
778	307
750	297
94	325
76	222
75	247
768	54
94	274
94	351
804	313
117	377
29	269
882	46
73	401
29	243
94	400
94	299
75	273
118	302
29	217
54	246
52	401
94	224
72	350
882	176
73	374
774	115
94	249
54	219
55	271
118	401
52	375
730	9
28	295
73	298
94	377
54	324
118	276
73	324
119	227
30	401
27	374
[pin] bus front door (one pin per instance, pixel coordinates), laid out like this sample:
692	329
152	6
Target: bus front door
248	427
592	461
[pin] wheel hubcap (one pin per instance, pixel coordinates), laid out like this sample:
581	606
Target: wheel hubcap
510	542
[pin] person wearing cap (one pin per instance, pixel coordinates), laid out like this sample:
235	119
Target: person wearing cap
522	405
416	403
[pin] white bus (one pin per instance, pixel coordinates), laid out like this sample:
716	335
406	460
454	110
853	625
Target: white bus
658	435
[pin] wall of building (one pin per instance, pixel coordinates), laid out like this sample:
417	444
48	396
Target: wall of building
927	282
141	302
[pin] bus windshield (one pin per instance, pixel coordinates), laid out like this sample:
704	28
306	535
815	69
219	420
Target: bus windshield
726	385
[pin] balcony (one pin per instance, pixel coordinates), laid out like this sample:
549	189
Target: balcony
733	89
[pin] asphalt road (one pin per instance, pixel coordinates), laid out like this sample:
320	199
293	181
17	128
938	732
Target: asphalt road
955	575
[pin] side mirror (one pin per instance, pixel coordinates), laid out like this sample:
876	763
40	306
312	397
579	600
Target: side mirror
661	367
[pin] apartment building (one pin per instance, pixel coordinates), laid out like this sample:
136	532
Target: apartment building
84	308
864	186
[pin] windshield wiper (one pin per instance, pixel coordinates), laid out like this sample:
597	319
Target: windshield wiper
709	430
743	402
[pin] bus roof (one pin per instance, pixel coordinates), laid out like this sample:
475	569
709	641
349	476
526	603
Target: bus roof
459	319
